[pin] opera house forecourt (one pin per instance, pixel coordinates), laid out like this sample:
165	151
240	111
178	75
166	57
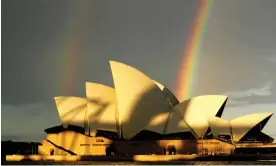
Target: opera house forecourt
142	116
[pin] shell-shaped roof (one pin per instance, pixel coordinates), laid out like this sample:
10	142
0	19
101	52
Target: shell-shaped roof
139	103
243	124
176	124
158	122
159	84
101	107
71	110
139	99
197	110
171	97
219	126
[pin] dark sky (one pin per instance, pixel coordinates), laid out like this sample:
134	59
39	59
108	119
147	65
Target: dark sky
51	48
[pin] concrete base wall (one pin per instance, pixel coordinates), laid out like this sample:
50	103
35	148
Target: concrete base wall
69	142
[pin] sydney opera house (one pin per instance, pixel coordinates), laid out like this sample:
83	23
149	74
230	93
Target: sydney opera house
141	116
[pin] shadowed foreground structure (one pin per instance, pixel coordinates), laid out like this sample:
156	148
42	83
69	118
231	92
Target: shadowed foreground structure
142	117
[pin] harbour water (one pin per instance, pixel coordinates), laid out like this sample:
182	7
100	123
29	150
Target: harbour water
273	162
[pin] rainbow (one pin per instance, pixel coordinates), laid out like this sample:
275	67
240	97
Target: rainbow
72	51
186	75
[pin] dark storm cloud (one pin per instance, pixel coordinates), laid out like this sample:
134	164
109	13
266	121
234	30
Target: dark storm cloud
237	51
28	121
145	34
29	30
9	137
37	37
239	36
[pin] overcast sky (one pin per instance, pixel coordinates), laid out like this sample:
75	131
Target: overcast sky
51	48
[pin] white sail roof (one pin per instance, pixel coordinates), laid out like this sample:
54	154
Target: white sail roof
101	107
219	126
158	122
169	122
139	99
139	103
159	84
170	96
243	124
197	110
71	110
176	124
